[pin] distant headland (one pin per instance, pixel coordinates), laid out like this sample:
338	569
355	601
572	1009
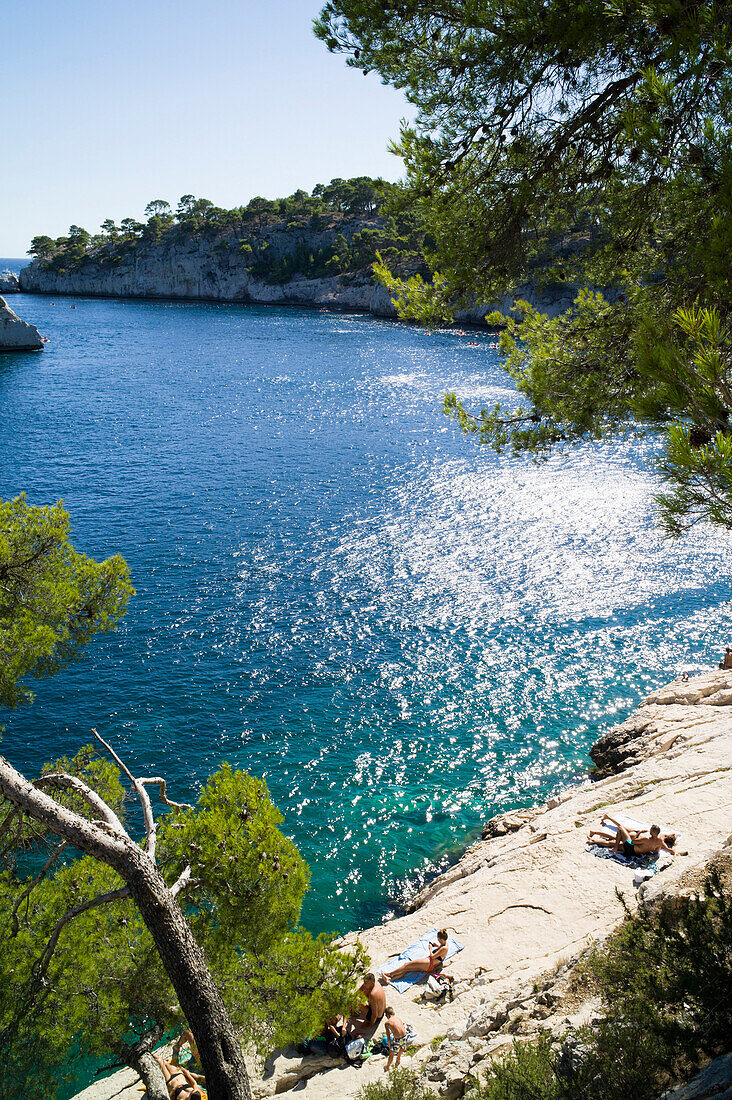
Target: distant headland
313	250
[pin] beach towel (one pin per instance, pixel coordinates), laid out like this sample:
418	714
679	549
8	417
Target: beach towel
650	862
418	950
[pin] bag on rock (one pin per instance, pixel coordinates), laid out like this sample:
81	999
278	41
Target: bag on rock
355	1050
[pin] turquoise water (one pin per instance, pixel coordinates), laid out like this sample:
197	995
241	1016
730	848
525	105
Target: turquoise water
402	632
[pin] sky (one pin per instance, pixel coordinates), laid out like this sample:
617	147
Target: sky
108	104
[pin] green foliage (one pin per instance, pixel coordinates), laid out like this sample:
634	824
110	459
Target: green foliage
524	1073
249	230
582	145
399	1084
666	983
250	882
105	987
53	599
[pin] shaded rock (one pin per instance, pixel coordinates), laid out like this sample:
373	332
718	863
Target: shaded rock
287	1069
662	721
486	1019
502	824
713	1081
572	1054
17	335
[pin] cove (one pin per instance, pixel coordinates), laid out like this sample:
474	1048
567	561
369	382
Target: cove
402	632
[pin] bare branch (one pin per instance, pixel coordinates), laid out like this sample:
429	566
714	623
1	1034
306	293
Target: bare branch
62	781
162	793
151	829
32	885
183	880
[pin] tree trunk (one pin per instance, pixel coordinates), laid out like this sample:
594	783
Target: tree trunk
139	1057
151	1076
184	961
221	1054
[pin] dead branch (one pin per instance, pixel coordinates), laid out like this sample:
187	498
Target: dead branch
162	793
183	880
62	781
151	829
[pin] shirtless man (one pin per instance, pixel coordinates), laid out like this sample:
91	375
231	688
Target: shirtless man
396	1037
631	842
370	1015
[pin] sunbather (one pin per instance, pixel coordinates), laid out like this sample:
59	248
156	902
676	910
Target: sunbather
632	842
180	1083
369	1015
428	965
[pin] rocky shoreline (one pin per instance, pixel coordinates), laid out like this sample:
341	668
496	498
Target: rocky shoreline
192	271
17	335
528	899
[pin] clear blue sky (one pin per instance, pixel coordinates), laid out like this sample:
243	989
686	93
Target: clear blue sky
110	103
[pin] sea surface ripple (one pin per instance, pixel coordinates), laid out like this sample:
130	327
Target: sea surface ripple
402	632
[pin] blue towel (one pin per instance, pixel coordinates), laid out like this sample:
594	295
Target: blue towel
649	862
418	950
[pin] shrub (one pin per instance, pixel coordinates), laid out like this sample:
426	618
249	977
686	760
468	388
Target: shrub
666	983
400	1084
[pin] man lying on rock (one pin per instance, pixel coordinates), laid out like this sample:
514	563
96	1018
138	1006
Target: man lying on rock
632	842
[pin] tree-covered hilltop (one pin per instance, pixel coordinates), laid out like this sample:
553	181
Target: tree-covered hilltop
335	231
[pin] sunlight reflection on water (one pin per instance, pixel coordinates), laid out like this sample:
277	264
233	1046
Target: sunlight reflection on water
402	632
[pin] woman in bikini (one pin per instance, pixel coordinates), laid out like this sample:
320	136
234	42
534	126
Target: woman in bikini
181	1085
437	955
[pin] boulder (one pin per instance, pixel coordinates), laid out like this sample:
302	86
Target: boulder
715	1080
662	721
9	283
287	1068
17	335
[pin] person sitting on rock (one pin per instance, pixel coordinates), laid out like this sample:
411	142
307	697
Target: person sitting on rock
428	965
369	1015
631	842
336	1034
396	1037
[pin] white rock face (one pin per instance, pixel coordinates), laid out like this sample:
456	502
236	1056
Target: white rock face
195	269
17	335
9	283
526	901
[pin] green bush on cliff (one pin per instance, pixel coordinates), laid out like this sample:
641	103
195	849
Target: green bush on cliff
665	980
401	1084
243	230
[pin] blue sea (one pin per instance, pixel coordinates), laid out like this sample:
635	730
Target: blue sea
401	631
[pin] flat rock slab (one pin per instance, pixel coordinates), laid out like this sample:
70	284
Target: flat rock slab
525	901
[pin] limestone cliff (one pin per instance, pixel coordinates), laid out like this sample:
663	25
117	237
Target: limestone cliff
17	335
215	269
526	902
9	282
